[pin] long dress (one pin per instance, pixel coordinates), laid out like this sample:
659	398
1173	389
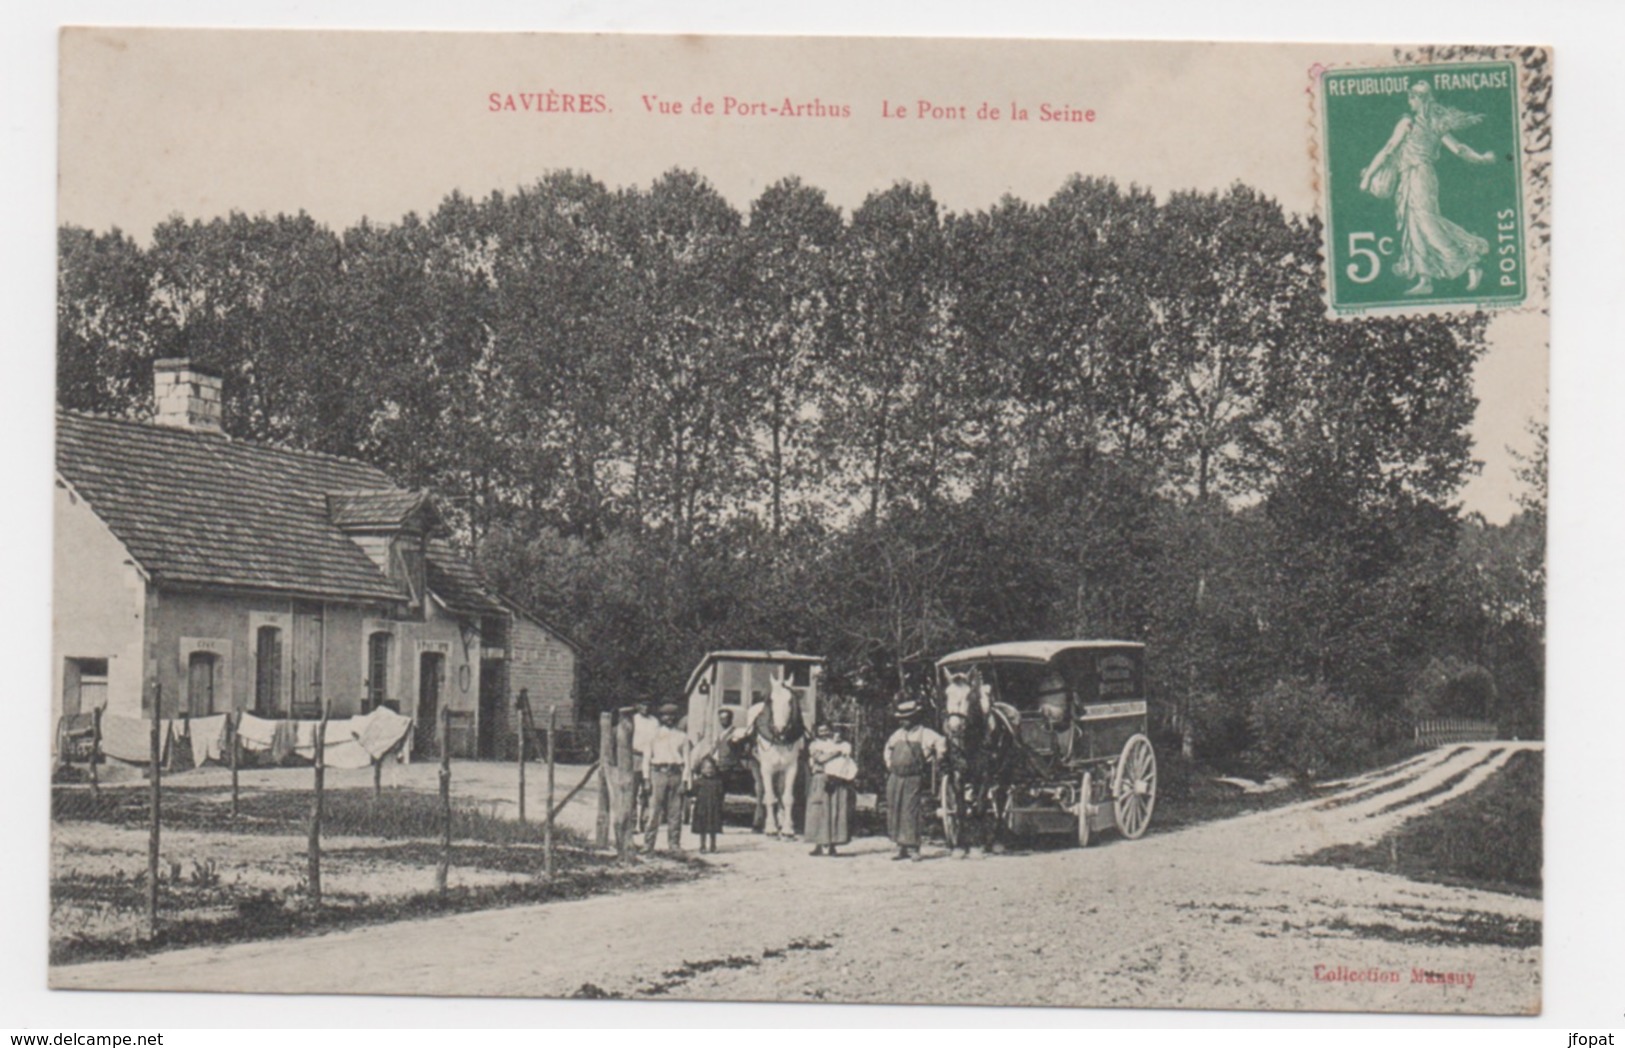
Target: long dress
707	817
1430	245
829	801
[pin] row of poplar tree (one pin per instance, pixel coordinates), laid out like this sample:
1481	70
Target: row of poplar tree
670	427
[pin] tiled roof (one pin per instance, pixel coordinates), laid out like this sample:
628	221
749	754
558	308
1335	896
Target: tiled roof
457	584
388	508
201	508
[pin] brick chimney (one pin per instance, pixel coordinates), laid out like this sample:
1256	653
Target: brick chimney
187	395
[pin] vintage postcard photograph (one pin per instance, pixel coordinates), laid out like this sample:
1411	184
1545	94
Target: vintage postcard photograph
821	519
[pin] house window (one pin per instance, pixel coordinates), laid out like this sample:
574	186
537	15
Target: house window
202	676
267	671
379	646
84	685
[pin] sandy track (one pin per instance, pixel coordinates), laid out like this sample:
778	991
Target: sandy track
1215	916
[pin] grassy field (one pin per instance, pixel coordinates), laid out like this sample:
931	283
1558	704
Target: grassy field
229	880
1489	839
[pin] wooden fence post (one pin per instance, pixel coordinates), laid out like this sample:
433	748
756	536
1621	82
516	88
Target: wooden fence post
377	779
233	723
523	705
547	832
156	755
606	757
622	787
95	752
315	847
443	867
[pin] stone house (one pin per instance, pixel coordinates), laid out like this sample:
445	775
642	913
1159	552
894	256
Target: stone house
210	574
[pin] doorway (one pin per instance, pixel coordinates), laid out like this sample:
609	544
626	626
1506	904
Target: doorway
431	681
202	678
494	707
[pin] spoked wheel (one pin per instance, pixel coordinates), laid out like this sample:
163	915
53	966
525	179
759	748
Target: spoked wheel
1134	787
951	807
1083	810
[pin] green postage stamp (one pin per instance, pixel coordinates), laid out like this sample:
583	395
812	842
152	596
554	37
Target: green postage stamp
1422	187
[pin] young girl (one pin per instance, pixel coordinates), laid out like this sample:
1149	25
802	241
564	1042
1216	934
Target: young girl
707	820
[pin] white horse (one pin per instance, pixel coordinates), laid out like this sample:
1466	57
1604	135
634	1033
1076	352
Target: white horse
780	736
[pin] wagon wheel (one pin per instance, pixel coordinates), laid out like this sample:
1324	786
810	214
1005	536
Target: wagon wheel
1083	809
1134	787
950	809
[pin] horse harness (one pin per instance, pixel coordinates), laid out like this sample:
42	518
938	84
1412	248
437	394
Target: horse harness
773	732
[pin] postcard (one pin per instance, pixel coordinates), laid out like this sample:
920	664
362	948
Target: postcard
826	519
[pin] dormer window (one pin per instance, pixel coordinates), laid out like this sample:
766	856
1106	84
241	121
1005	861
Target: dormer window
414	569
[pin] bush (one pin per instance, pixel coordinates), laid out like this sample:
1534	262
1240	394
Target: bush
1452	687
1306	729
1220	728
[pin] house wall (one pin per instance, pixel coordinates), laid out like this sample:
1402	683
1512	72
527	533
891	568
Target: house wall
543	664
226	624
104	608
442	632
98	605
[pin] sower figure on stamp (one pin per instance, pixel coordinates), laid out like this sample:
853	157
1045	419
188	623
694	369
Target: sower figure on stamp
1430	245
666	767
908	752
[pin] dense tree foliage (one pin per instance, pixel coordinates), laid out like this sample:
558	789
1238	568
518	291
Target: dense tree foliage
671	427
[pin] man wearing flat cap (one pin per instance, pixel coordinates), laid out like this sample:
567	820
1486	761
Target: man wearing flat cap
911	747
665	766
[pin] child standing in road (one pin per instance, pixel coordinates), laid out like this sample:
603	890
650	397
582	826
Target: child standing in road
707	820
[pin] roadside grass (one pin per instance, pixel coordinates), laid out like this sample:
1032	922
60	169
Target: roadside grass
1490	839
397	812
225	880
223	916
1190	796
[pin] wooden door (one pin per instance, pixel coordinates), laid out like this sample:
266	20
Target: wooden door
202	676
268	671
307	662
431	681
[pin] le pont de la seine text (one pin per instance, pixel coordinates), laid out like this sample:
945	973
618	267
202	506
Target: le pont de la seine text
1342	973
588	103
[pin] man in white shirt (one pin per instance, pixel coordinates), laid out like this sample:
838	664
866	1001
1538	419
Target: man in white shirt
665	766
644	727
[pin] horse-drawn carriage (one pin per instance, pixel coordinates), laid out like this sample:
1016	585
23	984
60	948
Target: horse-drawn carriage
774	694
1046	737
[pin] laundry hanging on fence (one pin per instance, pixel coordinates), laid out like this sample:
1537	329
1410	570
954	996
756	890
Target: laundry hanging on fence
179	756
255	733
284	741
354	742
358	741
384	731
209	739
130	738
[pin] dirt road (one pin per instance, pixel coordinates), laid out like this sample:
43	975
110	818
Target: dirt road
1216	916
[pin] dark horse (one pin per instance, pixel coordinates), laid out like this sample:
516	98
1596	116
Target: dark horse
976	776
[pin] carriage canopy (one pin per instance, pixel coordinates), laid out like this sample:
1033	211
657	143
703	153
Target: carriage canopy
737	680
1087	674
